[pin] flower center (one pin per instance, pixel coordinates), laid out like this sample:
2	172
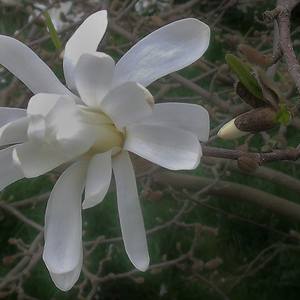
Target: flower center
107	136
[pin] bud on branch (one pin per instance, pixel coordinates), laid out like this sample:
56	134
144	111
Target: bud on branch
255	120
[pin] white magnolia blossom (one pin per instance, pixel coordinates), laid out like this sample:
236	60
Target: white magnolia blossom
105	112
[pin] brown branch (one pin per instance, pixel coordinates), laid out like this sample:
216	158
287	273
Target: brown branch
230	190
14	212
17	270
265	173
282	14
260	158
215	288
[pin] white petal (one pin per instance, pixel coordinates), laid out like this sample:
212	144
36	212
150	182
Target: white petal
93	77
190	117
97	179
39	111
9	114
28	67
63	222
62	126
41	104
127	103
36	159
164	51
65	281
36	131
130	214
14	132
59	117
9	171
171	148
73	135
85	39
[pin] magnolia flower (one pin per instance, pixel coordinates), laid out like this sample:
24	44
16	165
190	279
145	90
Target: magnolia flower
105	112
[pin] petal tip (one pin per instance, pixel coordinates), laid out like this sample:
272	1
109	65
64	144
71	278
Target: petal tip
142	265
86	204
230	132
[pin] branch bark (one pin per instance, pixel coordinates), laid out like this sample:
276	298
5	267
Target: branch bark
282	14
260	158
265	173
230	190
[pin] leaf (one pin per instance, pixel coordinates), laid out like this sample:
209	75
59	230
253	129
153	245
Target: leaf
244	74
283	115
53	33
271	94
248	97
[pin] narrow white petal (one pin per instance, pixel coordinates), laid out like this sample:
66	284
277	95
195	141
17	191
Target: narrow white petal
164	51
127	103
9	114
130	214
65	281
85	40
9	171
63	222
93	77
97	179
28	67
190	117
171	148
14	132
36	159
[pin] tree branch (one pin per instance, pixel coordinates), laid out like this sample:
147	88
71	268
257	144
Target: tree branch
282	14
230	190
260	158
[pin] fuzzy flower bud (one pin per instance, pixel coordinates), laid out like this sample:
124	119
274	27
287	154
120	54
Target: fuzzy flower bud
255	120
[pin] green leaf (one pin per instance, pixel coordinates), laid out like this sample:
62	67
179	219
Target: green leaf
53	33
283	116
244	74
271	94
248	97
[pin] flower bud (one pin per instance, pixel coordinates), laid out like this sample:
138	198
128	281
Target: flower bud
213	263
255	120
254	56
